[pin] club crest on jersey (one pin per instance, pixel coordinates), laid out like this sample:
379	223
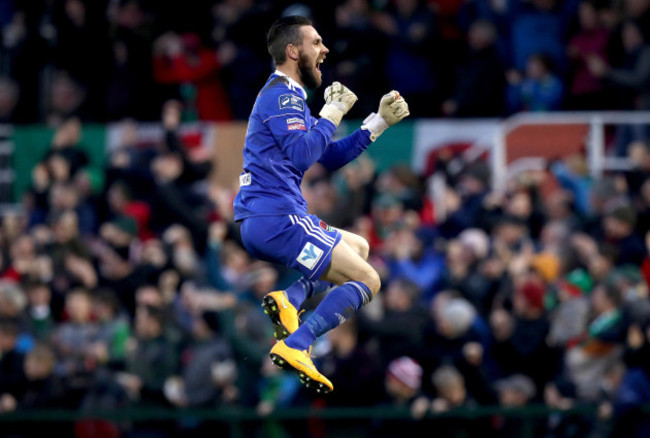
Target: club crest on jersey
324	226
309	256
292	102
296	123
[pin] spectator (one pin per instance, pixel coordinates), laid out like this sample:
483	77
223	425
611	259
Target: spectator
352	366
66	144
13	303
515	391
353	52
81	48
209	375
570	317
40	309
480	84
463	207
183	60
241	51
9	97
624	391
400	330
402	385
151	360
408	259
11	362
409	27
587	362
463	273
523	336
42	388
451	390
539	90
539	27
74	338
130	83
452	394
631	79
626	246
454	325
109	348
587	90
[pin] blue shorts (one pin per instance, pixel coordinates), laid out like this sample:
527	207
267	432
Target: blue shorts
304	243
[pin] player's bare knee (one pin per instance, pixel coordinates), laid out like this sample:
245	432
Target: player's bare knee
363	248
358	244
373	282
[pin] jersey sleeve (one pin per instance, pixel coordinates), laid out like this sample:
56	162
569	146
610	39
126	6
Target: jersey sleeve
288	118
341	152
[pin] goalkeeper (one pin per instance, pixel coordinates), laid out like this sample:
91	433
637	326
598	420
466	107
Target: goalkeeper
282	141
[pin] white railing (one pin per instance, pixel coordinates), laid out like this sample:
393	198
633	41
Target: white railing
597	159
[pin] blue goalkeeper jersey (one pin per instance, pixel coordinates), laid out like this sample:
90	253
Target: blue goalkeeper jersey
282	141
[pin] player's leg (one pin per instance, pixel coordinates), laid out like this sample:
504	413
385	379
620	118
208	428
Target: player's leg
272	238
303	289
358	243
282	305
358	283
274	303
308	247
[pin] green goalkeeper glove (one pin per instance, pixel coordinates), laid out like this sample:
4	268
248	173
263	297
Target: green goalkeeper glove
392	109
338	101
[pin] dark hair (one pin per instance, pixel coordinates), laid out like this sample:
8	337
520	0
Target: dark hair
546	61
410	288
612	293
10	327
108	297
154	313
285	30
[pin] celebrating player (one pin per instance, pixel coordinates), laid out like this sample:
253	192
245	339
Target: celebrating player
283	140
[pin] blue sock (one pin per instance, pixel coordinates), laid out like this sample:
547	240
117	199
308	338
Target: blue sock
304	289
336	307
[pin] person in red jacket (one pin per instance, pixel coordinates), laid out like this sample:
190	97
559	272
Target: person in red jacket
184	60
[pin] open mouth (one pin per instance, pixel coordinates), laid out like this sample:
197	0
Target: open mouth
318	63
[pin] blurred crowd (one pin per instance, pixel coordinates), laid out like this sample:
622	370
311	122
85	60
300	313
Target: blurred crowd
105	60
129	287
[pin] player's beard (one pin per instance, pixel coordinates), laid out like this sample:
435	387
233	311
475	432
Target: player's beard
306	70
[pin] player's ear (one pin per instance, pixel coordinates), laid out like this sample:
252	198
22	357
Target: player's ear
292	52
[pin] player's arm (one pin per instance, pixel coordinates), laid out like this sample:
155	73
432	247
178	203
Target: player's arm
392	109
288	126
302	147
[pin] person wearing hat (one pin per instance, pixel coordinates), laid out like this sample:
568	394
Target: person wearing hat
569	318
515	391
402	389
547	266
586	363
403	380
523	348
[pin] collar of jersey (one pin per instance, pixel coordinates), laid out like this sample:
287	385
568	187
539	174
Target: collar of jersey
292	82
